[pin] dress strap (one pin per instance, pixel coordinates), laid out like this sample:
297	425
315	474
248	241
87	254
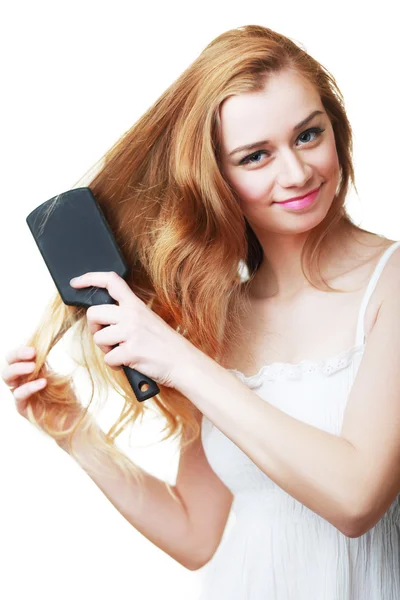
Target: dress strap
360	335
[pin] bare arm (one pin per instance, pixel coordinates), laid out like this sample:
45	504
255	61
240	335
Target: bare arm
318	469
350	479
189	530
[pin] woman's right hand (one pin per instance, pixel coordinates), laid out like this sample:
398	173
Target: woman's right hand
20	364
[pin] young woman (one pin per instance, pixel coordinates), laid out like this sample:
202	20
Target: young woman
283	386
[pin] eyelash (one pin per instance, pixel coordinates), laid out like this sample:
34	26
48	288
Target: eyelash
247	159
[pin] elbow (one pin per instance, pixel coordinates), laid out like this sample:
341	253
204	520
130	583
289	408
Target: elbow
361	525
359	511
358	523
193	566
356	530
199	558
353	530
202	559
196	565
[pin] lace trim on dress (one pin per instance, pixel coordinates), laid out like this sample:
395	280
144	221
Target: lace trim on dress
279	371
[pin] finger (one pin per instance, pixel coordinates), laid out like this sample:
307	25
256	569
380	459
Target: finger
109	336
116	285
13	372
105	349
26	390
118	357
20	353
94	328
102	314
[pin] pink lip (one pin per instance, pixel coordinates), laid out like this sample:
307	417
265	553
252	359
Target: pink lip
302	201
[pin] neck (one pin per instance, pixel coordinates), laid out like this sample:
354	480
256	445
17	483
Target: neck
280	275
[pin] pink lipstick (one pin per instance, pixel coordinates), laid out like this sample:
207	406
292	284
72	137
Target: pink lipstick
301	203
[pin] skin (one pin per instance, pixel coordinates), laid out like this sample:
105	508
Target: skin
20	362
291	165
292	168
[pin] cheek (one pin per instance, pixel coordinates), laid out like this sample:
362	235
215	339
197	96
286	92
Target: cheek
251	185
333	170
326	163
331	159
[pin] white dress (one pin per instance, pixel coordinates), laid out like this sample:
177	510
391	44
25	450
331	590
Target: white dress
277	548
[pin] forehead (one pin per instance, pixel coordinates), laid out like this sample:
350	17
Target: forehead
285	100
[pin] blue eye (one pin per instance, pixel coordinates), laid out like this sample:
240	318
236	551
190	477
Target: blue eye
249	159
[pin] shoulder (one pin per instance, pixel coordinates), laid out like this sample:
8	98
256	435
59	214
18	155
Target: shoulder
390	275
389	279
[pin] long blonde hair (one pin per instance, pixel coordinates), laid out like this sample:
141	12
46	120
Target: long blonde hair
180	228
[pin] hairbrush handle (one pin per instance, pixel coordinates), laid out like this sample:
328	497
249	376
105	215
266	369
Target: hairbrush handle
143	387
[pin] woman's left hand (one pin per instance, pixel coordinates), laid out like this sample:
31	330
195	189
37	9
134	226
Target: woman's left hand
145	341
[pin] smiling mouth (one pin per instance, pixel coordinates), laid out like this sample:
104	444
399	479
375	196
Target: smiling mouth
299	197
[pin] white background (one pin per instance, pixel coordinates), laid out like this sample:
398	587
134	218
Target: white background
75	76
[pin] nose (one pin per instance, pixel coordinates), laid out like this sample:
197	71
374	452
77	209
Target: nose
293	172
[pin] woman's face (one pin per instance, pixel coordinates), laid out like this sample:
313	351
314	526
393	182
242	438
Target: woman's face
289	161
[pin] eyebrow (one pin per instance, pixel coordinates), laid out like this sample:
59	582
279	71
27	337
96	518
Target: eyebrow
295	128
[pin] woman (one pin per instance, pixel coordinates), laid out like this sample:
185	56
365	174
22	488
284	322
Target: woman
283	386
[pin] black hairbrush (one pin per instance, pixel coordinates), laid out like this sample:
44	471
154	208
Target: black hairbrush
74	237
